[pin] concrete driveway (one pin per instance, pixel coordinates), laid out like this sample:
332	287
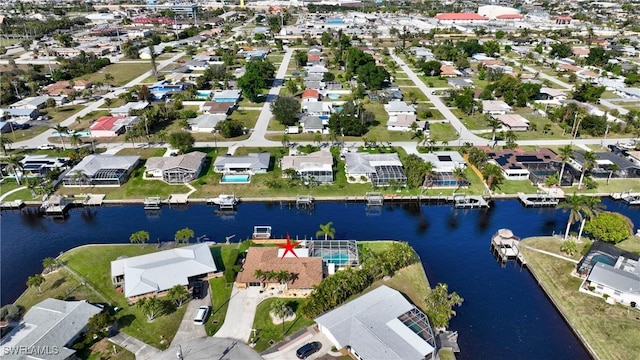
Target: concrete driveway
188	330
240	313
288	350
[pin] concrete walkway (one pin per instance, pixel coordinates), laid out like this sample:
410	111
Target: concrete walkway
240	313
549	253
11	192
141	350
187	330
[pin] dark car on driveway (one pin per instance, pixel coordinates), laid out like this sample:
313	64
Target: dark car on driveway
307	350
196	290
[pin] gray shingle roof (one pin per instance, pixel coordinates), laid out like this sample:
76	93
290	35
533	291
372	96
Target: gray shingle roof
370	325
190	161
250	161
163	270
48	325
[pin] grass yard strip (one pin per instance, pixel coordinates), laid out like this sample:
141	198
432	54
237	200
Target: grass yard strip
122	72
220	295
599	323
268	331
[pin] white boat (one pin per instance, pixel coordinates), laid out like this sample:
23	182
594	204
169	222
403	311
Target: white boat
224	200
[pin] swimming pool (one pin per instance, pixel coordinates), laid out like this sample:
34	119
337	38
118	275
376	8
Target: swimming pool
338	108
235	179
83	133
333	96
336	258
604	259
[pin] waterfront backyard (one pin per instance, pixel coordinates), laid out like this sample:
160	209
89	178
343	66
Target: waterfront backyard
607	328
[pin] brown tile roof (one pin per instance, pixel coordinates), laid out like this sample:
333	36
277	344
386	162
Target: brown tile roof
307	271
218	107
310	93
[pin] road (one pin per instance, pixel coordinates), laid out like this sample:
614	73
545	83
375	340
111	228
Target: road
464	133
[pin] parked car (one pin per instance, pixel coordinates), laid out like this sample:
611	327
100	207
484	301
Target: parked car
308	350
196	290
201	315
46	147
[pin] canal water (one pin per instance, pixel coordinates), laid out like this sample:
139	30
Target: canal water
505	314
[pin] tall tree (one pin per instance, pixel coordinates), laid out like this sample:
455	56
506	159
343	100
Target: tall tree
178	294
152	58
565	152
494	124
493	175
75	140
36	282
4	143
15	166
285	109
440	305
108	79
592	207
575	205
461	177
588	163
61	130
327	230
150	307
139	237
281	310
184	235
49	264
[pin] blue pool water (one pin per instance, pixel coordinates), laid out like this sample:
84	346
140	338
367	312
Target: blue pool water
604	259
235	178
339	108
83	133
337	259
333	96
445	183
203	95
323	117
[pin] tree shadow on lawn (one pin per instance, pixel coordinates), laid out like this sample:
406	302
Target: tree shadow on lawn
58	283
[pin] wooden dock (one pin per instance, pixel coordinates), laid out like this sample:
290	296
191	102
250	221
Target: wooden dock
630	197
152	203
469	202
541	199
178	199
304	201
93	200
505	247
374	199
12	205
56	205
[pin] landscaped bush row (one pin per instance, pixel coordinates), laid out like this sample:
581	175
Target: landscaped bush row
337	288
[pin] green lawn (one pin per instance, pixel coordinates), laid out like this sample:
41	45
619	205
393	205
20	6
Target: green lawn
268	331
404	82
471	122
516	186
7	185
220	294
418	95
61	113
24	194
94	264
443	132
122	72
144	153
600	324
632	244
434	81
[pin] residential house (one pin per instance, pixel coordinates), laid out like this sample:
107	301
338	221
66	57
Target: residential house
310	95
608	165
535	166
314	84
445	164
227	96
495	107
41	165
111	126
312	124
513	122
628	93
217	108
19	115
305	271
316	166
101	170
254	163
379	169
395	108
36	103
317	108
611	272
461	18
449	71
49	329
551	95
380	324
155	273
460	83
125	109
176	169
403	122
206	123
317	69
580	52
6	127
197	65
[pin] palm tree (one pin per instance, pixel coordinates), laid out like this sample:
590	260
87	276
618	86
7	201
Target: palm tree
592	206
280	309
108	102
61	130
108	79
79	177
178	294
460	175
139	237
511	138
184	235
75	140
260	275
4	142
36	281
15	165
493	175
419	136
285	140
575	205
494	124
565	152
614	168
587	164
428	173
327	230
153	56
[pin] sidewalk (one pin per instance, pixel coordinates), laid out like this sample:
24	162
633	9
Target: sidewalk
141	350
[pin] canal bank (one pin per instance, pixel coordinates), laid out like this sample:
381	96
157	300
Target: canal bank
598	325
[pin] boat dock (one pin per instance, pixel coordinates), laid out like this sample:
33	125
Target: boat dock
469	202
505	247
152	203
541	199
374	199
178	199
304	201
224	201
56	205
630	197
93	200
12	205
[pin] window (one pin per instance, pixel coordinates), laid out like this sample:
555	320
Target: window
600	287
617	293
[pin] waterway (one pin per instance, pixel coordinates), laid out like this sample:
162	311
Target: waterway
505	314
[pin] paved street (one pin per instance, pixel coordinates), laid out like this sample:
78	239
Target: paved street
141	350
209	348
288	351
